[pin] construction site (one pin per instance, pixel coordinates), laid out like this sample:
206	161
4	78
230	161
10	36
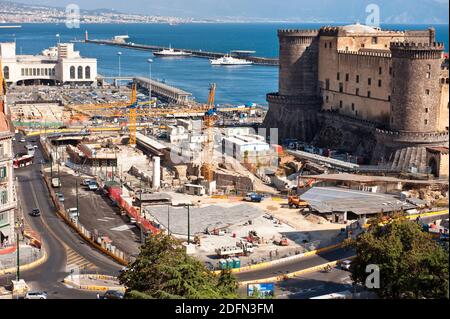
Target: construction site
134	157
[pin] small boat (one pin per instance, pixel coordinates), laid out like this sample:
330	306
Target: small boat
229	60
171	52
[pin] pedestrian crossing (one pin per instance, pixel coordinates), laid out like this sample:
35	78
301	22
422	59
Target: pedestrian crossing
77	263
31	234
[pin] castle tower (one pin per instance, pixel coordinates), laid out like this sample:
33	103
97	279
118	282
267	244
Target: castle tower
293	109
415	96
298	62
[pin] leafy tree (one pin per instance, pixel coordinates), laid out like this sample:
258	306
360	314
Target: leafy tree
412	264
164	270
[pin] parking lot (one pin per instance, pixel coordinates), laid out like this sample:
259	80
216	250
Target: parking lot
97	212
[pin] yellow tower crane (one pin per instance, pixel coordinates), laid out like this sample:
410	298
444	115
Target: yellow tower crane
209	119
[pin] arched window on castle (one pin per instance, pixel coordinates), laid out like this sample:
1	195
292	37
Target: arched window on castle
80	72
72	72
6	72
87	72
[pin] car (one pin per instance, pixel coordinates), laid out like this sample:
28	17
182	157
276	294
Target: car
36	295
253	197
22	140
35	146
113	294
35	212
209	266
345	265
60	197
124	269
92	186
86	182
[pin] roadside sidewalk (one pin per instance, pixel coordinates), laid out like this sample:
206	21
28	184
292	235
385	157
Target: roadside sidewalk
93	282
27	255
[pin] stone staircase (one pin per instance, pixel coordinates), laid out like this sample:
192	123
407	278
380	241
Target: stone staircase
408	157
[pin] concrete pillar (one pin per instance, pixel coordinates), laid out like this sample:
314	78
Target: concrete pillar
156	172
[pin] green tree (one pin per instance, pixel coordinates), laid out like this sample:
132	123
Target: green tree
412	264
164	270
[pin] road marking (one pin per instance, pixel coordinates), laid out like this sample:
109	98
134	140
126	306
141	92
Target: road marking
76	261
122	228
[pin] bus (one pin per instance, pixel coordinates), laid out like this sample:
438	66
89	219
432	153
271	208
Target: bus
23	160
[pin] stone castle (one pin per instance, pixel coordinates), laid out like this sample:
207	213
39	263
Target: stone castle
379	94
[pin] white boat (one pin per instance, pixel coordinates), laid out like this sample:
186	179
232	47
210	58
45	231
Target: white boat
171	52
229	60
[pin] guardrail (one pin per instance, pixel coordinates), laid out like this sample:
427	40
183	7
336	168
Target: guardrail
104	247
293	274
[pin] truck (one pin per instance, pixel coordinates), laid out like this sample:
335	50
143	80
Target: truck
297	202
241	249
56	183
253	197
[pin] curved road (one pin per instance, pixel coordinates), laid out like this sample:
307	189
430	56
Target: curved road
58	239
296	265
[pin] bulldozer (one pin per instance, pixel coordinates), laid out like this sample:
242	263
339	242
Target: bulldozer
282	242
297	202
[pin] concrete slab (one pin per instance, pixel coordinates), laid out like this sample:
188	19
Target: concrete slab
212	216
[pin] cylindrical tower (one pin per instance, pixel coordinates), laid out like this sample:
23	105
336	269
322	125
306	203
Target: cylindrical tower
415	96
298	62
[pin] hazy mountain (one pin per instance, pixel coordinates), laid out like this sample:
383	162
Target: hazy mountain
391	11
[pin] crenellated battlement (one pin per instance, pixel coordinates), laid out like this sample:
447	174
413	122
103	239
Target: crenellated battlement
329	31
298	32
414	137
412	50
439	46
366	53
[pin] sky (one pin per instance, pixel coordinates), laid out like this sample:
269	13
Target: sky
391	11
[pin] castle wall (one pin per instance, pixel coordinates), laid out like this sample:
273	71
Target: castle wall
355	83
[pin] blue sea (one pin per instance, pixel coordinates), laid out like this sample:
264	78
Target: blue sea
235	85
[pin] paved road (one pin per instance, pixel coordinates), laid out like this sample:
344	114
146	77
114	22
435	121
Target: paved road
296	265
65	248
315	284
97	212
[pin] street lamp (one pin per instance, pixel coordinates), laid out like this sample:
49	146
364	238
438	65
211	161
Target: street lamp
168	219
119	54
189	224
150	61
17	230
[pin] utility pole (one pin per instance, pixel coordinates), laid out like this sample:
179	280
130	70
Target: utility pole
189	225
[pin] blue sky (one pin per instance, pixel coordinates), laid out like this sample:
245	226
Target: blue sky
392	11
